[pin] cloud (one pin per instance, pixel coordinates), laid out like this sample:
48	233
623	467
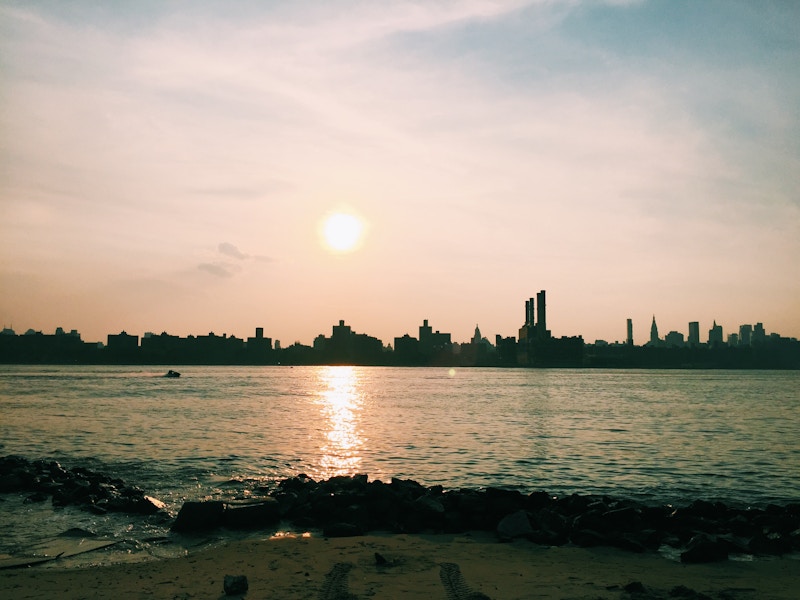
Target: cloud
228	249
218	269
231	250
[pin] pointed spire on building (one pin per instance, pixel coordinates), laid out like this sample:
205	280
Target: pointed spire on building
476	339
654	332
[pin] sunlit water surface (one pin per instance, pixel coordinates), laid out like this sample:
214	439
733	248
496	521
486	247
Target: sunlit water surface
231	432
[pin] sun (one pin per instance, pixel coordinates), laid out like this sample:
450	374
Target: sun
342	232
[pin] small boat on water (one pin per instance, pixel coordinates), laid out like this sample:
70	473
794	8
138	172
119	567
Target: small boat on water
172	373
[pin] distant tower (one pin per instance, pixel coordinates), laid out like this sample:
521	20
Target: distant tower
630	332
759	335
477	337
715	335
541	315
654	332
745	332
694	333
529	314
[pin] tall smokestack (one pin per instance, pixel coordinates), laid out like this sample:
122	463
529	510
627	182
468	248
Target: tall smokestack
541	316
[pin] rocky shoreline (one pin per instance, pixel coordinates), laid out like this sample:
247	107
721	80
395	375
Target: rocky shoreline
344	506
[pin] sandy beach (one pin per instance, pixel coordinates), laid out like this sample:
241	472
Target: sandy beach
410	566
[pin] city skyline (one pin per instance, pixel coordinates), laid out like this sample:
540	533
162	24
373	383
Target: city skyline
704	333
287	166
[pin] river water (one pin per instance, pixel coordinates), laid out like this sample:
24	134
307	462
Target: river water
659	436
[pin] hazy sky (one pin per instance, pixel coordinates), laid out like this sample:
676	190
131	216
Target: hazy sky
166	166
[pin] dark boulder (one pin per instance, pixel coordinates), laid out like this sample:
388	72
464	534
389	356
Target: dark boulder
770	544
199	516
513	526
703	549
500	502
235	585
586	538
11	482
252	515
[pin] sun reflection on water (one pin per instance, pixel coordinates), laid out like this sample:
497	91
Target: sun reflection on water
340	402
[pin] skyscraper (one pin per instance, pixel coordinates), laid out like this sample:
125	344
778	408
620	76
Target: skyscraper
694	333
745	331
715	335
630	332
541	315
654	333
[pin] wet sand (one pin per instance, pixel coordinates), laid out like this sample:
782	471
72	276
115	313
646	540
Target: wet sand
448	567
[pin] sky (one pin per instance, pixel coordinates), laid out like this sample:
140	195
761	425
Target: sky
167	166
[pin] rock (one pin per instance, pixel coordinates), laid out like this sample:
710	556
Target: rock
407	488
35	498
537	500
428	506
513	526
235	585
251	516
586	538
681	592
199	516
501	502
770	544
703	548
623	519
635	587
550	528
706	510
629	543
10	483
143	505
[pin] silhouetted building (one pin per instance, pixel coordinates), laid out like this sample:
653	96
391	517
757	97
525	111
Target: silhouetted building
506	350
259	348
123	347
674	339
406	351
759	335
715	338
435	347
536	345
541	316
478	352
37	347
694	333
215	349
654	339
347	347
164	349
745	333
629	339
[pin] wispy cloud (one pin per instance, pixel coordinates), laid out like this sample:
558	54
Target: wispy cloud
231	250
224	270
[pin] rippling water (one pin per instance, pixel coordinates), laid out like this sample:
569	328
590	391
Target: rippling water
659	436
666	434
